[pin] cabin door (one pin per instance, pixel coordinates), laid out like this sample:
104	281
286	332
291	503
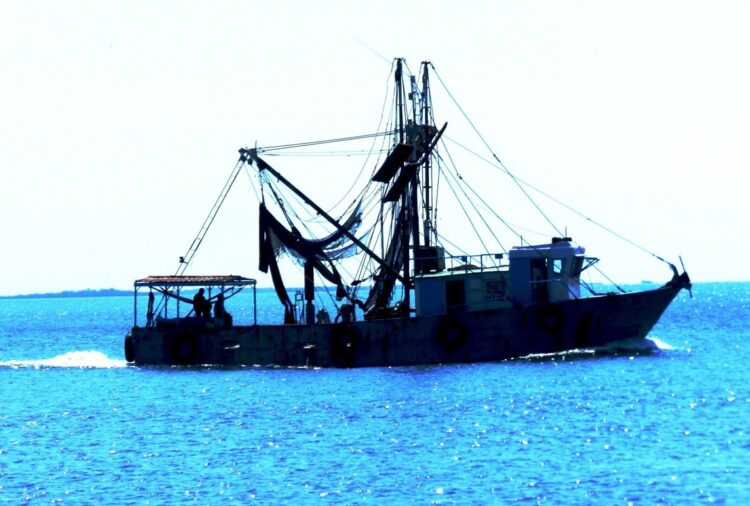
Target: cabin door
539	292
455	295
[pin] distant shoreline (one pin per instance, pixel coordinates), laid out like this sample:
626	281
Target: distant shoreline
105	292
67	294
112	292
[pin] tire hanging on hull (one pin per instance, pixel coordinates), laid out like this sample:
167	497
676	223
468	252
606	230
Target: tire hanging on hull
129	349
451	334
550	320
344	344
185	350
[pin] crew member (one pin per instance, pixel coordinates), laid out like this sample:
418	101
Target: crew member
201	306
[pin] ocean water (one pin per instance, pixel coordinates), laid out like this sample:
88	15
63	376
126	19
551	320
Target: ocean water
663	424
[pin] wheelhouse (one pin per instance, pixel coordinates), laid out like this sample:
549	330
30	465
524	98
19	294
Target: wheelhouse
547	272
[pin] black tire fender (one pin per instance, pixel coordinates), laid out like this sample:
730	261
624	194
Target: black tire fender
344	344
550	319
129	349
451	334
185	350
584	330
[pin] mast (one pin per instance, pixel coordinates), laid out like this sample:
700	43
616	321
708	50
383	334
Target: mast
414	183
405	197
400	99
427	183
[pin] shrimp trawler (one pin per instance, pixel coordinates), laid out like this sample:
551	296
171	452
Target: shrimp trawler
400	291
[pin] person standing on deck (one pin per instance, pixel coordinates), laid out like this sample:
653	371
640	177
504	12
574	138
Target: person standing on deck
221	315
201	306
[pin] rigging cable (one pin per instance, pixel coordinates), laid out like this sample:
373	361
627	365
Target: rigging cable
461	181
519	235
245	166
192	250
443	239
313	154
317	143
376	196
566	206
372	150
466	117
279	201
436	193
533	202
372	146
508	225
468	218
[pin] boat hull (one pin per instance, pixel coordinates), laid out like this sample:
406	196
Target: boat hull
474	336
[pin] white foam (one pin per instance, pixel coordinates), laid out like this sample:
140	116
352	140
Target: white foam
624	346
573	353
660	344
80	359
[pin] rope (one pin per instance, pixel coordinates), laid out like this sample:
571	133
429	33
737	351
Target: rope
481	216
341	154
317	143
466	117
566	206
468	218
279	201
522	184
252	182
458	248
193	249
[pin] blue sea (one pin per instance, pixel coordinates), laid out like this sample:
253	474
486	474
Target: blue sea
662	424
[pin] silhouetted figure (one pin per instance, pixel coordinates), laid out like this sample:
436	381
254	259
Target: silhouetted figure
346	313
322	316
219	306
221	316
201	306
150	310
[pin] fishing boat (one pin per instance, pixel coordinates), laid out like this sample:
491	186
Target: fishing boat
413	297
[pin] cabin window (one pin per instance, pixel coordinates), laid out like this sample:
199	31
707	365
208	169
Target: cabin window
557	265
455	293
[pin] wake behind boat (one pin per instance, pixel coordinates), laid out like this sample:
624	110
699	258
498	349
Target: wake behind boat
412	295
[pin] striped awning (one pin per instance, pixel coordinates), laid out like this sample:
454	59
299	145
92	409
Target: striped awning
223	280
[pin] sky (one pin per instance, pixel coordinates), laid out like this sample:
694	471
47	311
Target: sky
120	121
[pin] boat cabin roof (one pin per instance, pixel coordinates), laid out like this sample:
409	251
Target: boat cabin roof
462	270
559	248
222	280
